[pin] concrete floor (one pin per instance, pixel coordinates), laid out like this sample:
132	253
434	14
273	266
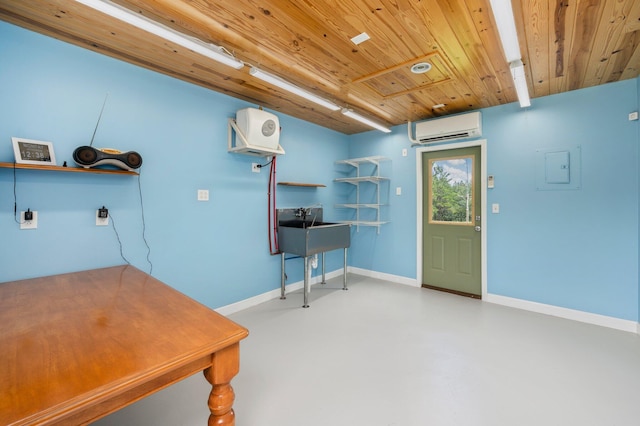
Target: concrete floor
384	354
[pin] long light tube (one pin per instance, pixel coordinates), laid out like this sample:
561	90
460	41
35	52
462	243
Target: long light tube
125	15
517	72
503	14
365	120
283	84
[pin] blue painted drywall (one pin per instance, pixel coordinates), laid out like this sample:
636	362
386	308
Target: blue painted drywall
576	249
393	250
638	168
216	251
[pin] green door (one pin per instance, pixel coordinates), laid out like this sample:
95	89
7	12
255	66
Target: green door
451	240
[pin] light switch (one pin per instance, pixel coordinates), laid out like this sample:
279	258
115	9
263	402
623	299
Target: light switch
495	208
398	190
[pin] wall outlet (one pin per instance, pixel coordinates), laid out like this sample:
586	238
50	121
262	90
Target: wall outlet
633	116
255	167
29	224
203	195
100	220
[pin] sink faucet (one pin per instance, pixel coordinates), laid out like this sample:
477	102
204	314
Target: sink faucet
302	212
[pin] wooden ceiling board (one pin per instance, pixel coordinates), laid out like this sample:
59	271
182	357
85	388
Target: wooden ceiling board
632	24
399	79
565	44
534	43
584	34
625	52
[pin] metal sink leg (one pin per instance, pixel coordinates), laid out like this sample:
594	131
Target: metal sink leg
323	280
307	273
282	276
344	274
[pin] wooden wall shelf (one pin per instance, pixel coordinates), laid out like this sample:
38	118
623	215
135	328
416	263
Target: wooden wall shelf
306	185
66	169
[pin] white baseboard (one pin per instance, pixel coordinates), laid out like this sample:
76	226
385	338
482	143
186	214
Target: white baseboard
386	277
572	314
273	294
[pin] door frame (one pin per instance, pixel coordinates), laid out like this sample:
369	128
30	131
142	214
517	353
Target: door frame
482	143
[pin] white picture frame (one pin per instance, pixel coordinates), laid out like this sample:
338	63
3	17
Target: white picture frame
30	151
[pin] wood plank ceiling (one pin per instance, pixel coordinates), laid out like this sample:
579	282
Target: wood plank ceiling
565	45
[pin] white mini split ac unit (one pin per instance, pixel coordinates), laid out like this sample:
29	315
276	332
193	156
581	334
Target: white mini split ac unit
257	133
447	129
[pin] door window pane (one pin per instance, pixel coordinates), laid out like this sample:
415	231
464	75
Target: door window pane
451	191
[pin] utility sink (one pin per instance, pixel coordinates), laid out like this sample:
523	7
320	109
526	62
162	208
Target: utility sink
302	232
306	237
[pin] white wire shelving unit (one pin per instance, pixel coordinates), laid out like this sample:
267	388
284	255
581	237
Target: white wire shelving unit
357	179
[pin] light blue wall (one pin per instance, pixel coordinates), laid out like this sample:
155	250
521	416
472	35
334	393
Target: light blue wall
575	249
393	251
216	251
638	166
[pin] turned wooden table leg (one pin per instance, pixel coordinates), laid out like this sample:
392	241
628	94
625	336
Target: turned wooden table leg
225	365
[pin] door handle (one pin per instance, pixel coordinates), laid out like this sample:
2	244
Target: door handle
477	228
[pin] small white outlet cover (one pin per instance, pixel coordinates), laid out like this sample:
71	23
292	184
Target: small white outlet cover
101	221
203	195
633	116
255	167
31	224
398	190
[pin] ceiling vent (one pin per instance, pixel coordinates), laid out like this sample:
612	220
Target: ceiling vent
447	129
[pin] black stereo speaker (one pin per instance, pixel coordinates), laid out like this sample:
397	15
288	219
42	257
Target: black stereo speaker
86	156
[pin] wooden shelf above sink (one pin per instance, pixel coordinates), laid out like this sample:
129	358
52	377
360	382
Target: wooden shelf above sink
305	185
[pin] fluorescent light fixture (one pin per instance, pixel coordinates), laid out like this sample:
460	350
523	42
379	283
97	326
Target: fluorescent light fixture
283	84
211	51
503	14
517	71
364	120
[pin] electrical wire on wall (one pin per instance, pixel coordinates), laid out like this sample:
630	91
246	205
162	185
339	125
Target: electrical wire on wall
271	210
113	225
144	226
15	197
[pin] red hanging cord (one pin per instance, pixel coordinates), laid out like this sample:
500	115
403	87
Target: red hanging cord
271	207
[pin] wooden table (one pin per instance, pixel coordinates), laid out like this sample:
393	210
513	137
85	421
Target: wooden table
76	347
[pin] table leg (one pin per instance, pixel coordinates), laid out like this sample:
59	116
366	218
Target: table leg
225	365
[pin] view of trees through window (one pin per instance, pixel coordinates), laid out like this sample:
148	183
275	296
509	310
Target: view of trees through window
451	190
